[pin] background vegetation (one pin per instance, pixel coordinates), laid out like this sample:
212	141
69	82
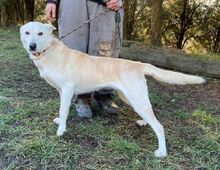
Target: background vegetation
192	25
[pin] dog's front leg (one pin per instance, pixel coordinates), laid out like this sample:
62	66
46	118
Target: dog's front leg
66	95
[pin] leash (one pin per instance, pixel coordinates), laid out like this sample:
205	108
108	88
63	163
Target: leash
118	28
117	20
84	23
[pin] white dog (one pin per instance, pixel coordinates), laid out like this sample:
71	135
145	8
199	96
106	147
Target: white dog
72	72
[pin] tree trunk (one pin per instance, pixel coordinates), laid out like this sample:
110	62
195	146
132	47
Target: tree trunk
14	12
179	43
216	48
183	25
3	16
156	23
29	4
19	8
129	18
126	20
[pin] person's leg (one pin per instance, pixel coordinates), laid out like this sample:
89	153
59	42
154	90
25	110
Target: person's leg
72	13
83	108
104	35
105	41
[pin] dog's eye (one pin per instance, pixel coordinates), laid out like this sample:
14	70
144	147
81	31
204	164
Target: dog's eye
40	33
27	33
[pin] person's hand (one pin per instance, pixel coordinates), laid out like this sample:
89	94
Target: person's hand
50	12
114	4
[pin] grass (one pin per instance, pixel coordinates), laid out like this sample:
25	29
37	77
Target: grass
210	57
190	116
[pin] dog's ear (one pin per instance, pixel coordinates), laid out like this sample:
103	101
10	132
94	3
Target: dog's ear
51	27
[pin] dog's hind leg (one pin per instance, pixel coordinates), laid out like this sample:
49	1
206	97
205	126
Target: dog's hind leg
141	122
137	96
66	95
148	116
125	100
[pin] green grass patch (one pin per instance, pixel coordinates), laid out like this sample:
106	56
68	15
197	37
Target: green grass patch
203	117
28	135
120	146
210	57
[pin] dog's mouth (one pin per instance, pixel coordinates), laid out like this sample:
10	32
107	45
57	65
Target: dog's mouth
35	53
38	53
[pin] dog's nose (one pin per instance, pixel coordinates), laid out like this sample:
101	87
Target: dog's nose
32	46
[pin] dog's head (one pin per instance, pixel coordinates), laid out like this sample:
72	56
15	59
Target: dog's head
36	37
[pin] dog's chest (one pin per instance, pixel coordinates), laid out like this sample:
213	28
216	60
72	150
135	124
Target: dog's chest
52	77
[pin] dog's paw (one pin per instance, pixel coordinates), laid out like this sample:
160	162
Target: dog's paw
56	120
141	122
160	153
61	130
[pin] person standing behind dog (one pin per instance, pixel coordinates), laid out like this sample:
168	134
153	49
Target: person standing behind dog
101	37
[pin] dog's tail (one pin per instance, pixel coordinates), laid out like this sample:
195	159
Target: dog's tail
171	77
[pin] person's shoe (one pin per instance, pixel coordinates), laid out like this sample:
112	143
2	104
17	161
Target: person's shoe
108	106
83	110
96	107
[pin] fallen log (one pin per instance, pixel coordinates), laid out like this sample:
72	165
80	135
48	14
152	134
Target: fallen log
175	61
